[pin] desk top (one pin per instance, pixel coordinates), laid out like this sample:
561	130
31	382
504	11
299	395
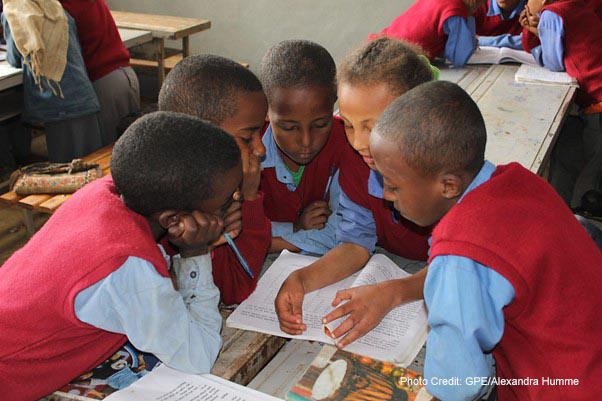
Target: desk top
9	76
161	26
134	37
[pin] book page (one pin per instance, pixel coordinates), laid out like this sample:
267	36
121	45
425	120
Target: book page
514	55
166	384
538	74
498	55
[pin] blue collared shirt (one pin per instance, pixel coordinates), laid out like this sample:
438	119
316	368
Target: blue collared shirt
504	40
465	300
550	53
461	39
309	241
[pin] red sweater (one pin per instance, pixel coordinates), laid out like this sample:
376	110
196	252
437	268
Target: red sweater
582	51
422	24
101	44
517	225
394	233
283	205
43	344
495	25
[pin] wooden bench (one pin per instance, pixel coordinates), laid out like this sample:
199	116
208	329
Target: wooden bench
48	203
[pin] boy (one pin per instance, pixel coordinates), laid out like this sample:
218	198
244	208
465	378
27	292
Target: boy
497	23
304	144
495	285
94	277
225	93
441	28
567	31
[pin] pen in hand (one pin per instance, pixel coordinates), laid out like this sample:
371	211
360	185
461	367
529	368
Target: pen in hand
329	182
241	259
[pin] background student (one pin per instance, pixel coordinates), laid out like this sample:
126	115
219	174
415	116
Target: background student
304	144
93	276
225	93
370	78
497	23
494	287
440	28
567	29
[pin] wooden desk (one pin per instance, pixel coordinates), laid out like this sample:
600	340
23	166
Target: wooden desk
134	37
9	76
162	27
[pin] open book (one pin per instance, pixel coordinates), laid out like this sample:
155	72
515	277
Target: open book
164	383
499	55
542	75
397	339
338	375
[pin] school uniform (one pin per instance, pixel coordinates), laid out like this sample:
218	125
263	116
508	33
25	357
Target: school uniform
496	30
284	200
95	245
496	285
439	27
567	31
367	219
108	64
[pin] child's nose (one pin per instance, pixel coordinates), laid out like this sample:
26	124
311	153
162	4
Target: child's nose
306	138
258	147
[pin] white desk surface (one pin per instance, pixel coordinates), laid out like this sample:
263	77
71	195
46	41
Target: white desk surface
134	37
9	76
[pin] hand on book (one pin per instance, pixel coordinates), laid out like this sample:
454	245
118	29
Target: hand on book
289	303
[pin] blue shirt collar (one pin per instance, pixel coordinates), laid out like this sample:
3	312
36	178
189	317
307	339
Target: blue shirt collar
483	175
494	9
272	159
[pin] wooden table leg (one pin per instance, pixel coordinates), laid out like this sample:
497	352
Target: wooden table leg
185	47
160	56
28	220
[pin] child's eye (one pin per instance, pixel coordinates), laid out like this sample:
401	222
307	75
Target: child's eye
288	128
348	127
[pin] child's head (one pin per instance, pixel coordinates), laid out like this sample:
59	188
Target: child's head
221	91
428	145
299	78
171	161
372	77
507	5
473	5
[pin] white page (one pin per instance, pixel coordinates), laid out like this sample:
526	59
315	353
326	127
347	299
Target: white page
497	55
538	74
166	384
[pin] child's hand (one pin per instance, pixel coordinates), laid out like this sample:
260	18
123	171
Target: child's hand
232	222
367	305
288	305
314	216
192	233
532	20
251	171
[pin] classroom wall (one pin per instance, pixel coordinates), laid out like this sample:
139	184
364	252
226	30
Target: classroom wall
243	30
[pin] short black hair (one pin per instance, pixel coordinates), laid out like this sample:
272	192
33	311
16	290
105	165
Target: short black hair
437	127
170	160
206	86
297	64
399	64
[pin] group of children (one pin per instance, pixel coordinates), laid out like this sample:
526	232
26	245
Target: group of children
264	160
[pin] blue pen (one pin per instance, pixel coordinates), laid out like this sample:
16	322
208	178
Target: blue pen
329	182
239	256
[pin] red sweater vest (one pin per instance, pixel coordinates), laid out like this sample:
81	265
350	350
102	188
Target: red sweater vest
582	49
495	25
101	44
283	205
516	224
43	344
394	233
422	24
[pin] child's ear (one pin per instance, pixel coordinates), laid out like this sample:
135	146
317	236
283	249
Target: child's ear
452	186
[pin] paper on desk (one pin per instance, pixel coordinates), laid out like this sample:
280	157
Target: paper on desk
538	74
164	383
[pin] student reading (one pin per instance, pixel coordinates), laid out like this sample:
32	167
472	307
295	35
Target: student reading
94	277
497	23
511	272
304	145
230	96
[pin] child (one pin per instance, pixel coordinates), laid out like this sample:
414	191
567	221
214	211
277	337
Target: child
497	23
495	285
304	144
369	79
94	277
441	28
57	90
567	29
225	93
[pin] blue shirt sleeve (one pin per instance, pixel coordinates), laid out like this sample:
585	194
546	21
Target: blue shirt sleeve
357	225
182	328
505	40
461	39
465	301
550	53
282	228
320	241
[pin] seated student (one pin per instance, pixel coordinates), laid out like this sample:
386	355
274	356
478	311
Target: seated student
495	286
230	96
441	28
304	144
369	79
56	89
497	23
94	277
566	30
